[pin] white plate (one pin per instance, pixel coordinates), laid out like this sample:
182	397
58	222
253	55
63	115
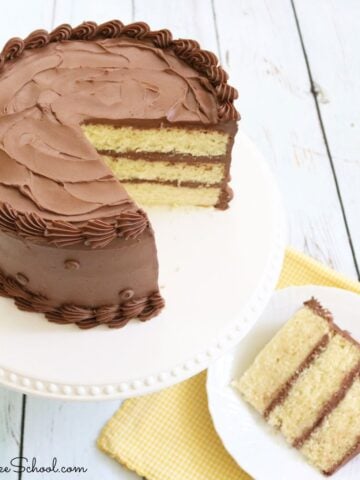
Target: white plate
253	444
217	272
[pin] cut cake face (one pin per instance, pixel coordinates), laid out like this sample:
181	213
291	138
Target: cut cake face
306	384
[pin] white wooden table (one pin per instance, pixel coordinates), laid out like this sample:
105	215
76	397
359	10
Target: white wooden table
297	67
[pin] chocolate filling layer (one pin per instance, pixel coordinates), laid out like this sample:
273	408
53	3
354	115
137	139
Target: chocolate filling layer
330	405
164	157
174	183
285	389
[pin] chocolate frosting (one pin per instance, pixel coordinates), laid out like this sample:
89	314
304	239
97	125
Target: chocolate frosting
114	316
53	183
95	233
318	309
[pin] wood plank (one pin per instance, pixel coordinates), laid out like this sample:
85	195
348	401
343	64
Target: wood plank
75	12
68	431
10	428
186	19
332	46
263	54
35	14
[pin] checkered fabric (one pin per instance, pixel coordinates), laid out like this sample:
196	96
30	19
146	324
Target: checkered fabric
169	435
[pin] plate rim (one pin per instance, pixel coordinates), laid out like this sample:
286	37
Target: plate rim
229	357
251	311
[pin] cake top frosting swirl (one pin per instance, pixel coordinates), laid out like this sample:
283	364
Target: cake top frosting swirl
51	83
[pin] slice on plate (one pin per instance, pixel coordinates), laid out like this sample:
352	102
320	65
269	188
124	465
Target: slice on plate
306	383
97	120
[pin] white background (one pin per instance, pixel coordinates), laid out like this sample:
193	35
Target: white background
297	69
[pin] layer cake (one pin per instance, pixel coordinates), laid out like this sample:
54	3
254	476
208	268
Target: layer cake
96	122
306	384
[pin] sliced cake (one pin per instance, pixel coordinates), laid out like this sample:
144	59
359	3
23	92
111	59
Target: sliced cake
305	383
95	120
184	165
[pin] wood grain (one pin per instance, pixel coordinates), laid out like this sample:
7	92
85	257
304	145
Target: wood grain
10	428
69	431
187	19
77	11
262	52
23	17
332	47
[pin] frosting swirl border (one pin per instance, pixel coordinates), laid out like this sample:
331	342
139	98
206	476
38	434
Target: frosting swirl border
94	233
203	61
113	316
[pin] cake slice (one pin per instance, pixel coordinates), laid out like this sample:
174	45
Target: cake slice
305	383
177	166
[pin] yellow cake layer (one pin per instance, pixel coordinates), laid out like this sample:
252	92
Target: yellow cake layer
146	193
163	140
281	357
314	387
141	169
338	433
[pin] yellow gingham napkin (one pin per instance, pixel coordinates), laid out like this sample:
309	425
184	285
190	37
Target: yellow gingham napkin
169	435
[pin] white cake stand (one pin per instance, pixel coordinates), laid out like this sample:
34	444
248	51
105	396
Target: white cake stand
217	273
